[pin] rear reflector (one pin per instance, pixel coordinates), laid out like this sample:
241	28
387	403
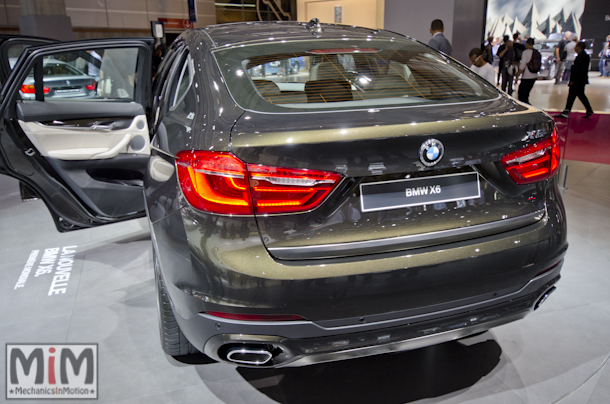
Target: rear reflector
91	86
534	163
256	317
548	269
219	182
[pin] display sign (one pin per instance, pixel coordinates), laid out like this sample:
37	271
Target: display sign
157	29
51	371
419	191
176	23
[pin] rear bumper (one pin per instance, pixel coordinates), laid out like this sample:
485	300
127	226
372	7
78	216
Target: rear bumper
293	344
238	275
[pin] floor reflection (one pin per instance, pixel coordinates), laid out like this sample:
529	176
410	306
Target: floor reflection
391	378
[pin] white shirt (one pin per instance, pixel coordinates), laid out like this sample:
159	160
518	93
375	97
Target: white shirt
486	71
526	56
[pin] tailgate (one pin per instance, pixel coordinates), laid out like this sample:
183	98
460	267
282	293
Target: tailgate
388	199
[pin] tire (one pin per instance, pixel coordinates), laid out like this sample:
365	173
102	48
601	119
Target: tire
173	341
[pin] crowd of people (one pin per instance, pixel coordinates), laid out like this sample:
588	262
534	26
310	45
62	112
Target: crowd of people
519	63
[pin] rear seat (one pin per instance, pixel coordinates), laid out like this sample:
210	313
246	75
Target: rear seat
328	91
272	93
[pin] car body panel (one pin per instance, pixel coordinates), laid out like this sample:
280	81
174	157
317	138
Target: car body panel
237	34
317	141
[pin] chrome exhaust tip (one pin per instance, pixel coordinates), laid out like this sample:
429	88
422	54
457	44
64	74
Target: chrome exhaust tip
544	296
249	356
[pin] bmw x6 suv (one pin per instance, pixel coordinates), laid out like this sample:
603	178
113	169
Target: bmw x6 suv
381	198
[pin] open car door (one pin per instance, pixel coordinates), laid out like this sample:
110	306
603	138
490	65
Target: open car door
74	129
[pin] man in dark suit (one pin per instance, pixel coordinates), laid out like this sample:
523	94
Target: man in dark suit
578	80
438	41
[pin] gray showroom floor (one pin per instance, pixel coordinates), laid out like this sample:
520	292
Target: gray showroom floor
557	354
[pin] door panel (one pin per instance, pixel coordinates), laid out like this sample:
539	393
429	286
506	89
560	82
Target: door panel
89	140
75	129
50	110
97	183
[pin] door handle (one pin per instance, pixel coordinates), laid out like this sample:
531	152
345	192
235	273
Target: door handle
115	150
91	153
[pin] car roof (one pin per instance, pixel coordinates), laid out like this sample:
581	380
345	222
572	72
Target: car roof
224	35
51	60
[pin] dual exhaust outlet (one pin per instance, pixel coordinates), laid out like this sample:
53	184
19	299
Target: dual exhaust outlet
544	296
249	355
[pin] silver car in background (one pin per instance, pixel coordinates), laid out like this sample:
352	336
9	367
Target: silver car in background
61	80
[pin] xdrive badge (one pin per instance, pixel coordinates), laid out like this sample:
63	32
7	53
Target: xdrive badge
431	152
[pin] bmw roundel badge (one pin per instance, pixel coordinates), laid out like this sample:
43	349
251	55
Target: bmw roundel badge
431	152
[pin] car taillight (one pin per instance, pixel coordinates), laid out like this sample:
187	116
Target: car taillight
534	163
29	89
91	86
214	182
256	317
284	190
219	182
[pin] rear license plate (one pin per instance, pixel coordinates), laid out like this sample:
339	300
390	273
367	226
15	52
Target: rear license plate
419	191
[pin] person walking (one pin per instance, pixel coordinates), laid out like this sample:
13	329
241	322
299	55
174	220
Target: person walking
578	80
604	59
438	40
499	49
529	78
487	48
480	66
560	56
518	46
507	57
570	56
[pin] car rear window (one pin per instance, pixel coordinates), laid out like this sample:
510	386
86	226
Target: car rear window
345	74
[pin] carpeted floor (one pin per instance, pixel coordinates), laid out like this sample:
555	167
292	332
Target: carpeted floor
585	139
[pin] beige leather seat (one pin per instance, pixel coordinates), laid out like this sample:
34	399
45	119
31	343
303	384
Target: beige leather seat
266	88
327	71
328	91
